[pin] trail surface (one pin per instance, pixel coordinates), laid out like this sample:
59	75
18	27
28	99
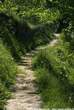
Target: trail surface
25	96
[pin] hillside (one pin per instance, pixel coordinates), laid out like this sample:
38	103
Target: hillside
43	29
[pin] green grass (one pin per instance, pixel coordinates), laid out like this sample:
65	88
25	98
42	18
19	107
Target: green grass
54	69
8	72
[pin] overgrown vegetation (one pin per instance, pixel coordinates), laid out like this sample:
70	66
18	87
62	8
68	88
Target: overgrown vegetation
8	72
23	27
26	24
54	66
55	76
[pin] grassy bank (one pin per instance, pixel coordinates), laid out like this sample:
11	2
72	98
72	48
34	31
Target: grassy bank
8	72
54	69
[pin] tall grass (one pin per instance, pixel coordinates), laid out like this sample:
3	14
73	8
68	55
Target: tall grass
8	72
54	69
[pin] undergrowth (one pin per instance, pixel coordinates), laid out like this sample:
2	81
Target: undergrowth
54	69
8	72
24	26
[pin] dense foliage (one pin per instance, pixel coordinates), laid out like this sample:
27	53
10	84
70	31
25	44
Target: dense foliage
54	68
21	23
26	24
8	72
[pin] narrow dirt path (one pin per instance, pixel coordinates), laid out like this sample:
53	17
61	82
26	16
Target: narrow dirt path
25	96
52	43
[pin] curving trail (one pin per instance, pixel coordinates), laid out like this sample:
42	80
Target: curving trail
25	96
